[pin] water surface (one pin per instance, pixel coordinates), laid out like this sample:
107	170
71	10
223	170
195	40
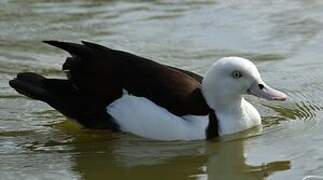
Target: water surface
284	38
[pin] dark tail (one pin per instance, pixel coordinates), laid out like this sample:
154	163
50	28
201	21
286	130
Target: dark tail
61	95
31	85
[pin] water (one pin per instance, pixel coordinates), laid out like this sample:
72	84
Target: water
284	38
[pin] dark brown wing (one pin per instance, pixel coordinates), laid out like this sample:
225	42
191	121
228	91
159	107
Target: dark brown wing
102	72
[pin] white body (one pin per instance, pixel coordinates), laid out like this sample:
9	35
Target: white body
142	117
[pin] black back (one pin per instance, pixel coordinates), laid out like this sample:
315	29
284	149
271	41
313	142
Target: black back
103	72
96	76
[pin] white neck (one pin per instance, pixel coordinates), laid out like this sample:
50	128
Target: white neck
234	113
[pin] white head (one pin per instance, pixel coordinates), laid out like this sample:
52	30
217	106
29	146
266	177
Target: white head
230	78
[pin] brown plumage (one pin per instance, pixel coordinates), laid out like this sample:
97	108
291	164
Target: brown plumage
96	77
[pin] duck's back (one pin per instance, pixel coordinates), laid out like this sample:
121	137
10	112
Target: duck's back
104	72
97	75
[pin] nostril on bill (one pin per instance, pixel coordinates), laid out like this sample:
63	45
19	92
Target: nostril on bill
261	86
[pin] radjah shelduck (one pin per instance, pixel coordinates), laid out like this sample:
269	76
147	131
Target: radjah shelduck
112	89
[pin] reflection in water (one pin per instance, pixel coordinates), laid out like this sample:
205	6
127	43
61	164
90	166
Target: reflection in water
136	158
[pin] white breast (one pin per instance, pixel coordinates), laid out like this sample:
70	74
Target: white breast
142	117
239	117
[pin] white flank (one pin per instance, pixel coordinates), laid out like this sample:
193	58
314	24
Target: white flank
142	117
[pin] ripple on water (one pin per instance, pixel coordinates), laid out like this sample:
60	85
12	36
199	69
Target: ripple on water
302	110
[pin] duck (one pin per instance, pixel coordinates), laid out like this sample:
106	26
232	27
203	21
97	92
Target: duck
112	89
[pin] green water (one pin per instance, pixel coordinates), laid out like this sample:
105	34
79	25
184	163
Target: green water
284	38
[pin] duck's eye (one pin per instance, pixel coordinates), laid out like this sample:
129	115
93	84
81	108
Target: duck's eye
236	74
